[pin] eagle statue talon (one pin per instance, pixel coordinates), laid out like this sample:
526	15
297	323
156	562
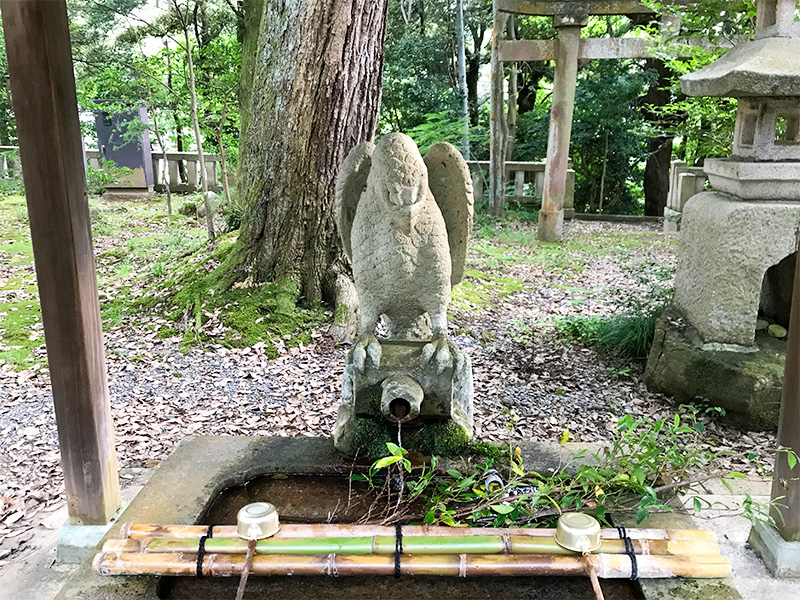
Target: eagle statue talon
437	351
367	348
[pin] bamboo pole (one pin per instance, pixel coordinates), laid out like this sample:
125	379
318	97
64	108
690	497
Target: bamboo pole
140	530
427	545
606	566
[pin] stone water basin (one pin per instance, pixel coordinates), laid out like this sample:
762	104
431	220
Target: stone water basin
324	498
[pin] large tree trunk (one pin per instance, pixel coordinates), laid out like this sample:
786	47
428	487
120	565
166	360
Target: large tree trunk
656	172
314	93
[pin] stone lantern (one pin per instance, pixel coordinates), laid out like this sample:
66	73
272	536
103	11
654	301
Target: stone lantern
739	240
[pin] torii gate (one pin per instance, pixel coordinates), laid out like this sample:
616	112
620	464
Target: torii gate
566	50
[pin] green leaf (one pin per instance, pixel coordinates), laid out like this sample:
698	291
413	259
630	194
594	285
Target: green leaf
641	515
697	506
396	450
677	420
454	474
638	474
791	457
502	509
386	461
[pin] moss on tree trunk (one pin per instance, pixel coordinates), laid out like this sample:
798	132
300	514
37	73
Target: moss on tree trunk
311	93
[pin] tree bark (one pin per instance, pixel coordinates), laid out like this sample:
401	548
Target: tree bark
223	162
462	77
656	171
314	93
198	139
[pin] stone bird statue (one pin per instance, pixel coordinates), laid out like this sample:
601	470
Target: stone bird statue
405	222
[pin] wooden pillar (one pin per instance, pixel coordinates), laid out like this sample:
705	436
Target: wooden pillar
786	481
497	122
46	110
551	217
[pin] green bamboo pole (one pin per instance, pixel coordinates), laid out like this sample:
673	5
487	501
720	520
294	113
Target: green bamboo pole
427	545
317	530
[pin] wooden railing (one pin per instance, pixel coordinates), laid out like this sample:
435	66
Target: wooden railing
191	183
10	166
521	173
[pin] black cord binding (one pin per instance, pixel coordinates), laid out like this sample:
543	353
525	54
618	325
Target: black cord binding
398	548
201	550
629	550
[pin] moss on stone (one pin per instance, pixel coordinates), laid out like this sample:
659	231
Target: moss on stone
493	451
341	314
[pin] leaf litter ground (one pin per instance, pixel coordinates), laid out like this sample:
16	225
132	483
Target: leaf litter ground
529	383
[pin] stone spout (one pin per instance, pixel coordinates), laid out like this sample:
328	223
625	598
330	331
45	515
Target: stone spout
401	398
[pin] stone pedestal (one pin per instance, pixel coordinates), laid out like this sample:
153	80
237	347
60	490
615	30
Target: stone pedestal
732	264
746	384
781	558
727	246
439	423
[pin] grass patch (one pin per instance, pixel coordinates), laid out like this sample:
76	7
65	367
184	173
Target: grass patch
626	336
20	332
479	289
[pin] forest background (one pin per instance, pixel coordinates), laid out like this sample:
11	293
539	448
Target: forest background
630	118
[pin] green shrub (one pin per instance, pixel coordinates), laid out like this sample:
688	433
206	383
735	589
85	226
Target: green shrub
97	179
627	336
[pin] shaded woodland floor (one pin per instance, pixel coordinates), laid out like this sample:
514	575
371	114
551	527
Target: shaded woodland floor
531	382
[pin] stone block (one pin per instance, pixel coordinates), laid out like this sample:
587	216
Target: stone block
755	181
672	220
768	67
747	384
77	542
781	558
440	423
726	247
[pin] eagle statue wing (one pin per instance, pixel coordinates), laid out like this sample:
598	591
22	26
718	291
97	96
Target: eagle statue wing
451	186
350	184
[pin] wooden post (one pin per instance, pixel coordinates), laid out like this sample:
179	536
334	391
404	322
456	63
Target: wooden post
786	480
497	123
45	106
551	217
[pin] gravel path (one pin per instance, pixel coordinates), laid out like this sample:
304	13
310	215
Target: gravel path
523	373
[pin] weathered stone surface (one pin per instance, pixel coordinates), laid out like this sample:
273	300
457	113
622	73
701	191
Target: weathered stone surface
781	558
213	202
188	209
765	67
363	422
755	181
747	384
403	258
405	223
726	247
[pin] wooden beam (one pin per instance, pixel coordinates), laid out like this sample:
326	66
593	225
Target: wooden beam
565	78
591	48
498	134
785	507
46	111
553	7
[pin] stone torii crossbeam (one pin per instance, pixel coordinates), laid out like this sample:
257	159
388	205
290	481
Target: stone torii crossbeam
566	50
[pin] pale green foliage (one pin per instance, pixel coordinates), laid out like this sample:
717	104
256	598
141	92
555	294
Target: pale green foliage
644	466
